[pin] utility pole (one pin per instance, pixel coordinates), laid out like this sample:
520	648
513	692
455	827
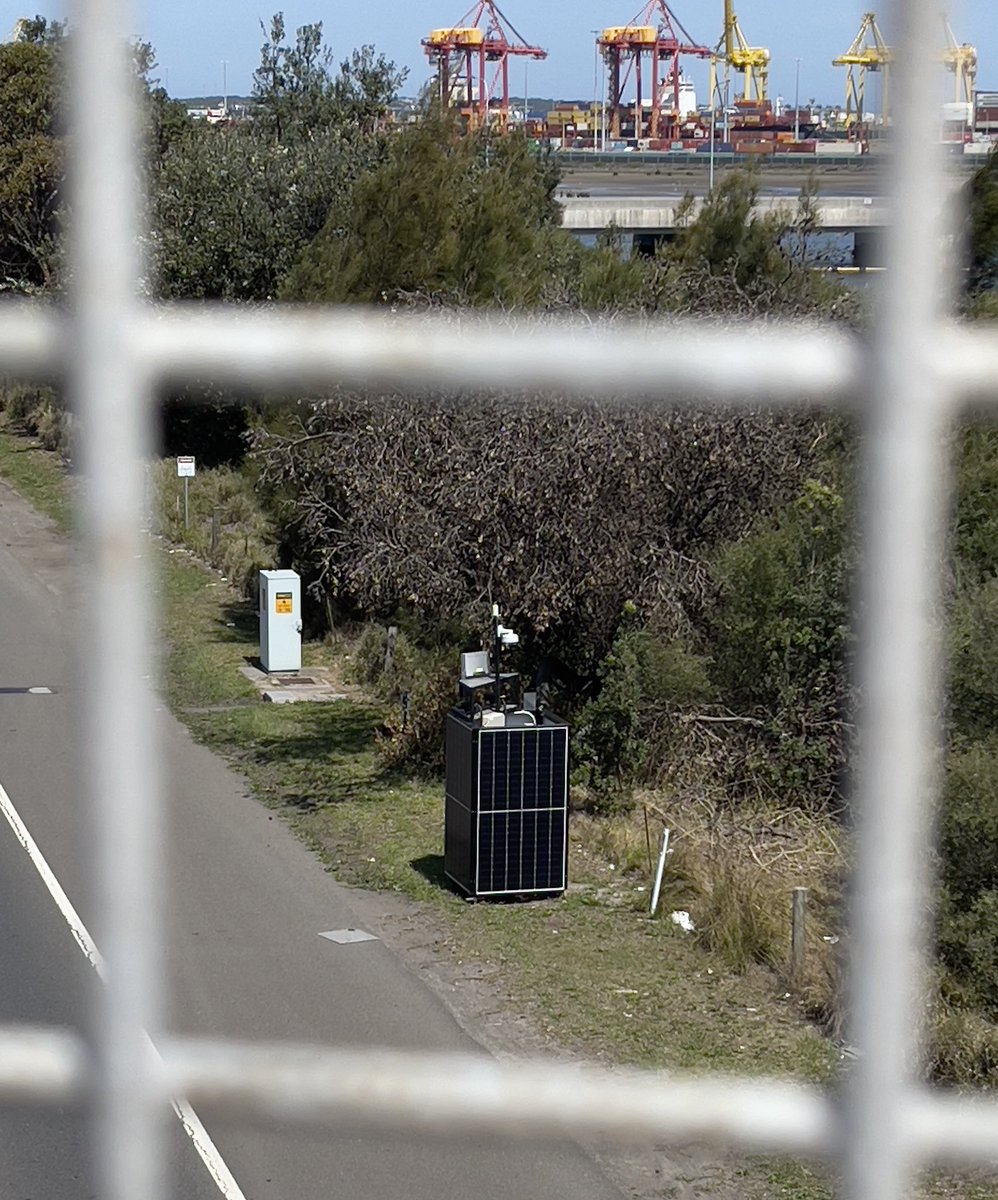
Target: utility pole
595	33
225	87
713	134
797	103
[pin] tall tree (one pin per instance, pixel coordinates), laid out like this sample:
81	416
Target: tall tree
982	226
30	170
234	206
728	258
39	31
464	219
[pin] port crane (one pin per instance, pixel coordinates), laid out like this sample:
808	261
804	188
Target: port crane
650	46
472	63
961	59
738	55
868	53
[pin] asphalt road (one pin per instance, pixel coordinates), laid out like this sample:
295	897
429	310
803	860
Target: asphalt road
669	181
247	903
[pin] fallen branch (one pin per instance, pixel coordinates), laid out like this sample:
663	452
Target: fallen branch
704	718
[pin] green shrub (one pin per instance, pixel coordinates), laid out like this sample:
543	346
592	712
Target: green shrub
417	740
963	1047
969	824
967	922
622	736
38	411
975	533
418	688
973	685
779	636
246	541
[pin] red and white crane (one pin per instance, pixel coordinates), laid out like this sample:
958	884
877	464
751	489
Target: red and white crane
472	63
649	48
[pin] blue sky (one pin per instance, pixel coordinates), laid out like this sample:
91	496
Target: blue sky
193	37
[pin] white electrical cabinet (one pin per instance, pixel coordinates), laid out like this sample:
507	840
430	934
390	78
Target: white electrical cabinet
280	621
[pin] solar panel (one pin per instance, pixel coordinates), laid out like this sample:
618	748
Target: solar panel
506	811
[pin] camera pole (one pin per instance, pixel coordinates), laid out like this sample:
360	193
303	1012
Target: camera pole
497	651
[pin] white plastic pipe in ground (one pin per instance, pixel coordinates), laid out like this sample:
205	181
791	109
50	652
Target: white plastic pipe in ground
659	871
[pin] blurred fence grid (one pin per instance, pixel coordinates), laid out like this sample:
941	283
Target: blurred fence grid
908	384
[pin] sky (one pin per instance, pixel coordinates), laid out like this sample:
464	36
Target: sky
193	38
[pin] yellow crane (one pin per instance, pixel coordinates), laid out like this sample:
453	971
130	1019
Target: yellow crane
961	59
750	61
868	52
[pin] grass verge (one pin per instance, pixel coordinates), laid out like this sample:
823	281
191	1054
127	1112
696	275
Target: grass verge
591	968
39	475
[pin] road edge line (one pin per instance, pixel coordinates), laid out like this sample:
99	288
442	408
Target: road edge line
194	1128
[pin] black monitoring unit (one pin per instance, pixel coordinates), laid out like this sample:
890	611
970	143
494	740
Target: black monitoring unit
506	810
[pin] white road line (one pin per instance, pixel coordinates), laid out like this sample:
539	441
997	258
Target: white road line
195	1130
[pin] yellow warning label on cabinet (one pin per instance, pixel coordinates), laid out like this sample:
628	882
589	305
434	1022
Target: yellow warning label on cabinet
282	602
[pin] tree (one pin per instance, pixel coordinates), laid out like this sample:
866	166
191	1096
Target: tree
729	259
561	512
982	226
30	166
39	31
298	94
233	207
463	219
779	631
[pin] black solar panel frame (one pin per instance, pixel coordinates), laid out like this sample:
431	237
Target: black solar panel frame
506	809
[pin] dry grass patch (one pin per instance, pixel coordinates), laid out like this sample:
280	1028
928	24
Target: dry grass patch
734	873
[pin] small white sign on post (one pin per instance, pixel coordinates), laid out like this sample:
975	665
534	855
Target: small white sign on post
185	471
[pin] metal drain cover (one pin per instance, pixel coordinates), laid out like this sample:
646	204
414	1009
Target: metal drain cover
296	681
344	936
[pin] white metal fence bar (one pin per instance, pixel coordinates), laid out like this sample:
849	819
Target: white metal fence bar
903	470
270	348
316	1085
920	370
677	360
110	391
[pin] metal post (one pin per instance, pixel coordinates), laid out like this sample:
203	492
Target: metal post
660	870
713	134
797	102
727	98
797	934
497	651
215	530
187	509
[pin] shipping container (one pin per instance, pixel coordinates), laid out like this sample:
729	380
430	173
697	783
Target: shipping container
839	148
